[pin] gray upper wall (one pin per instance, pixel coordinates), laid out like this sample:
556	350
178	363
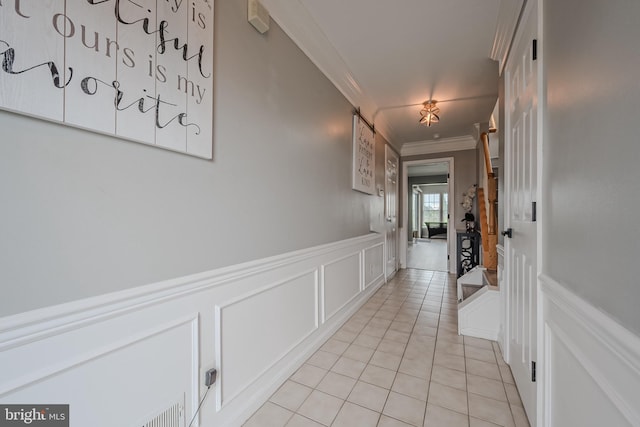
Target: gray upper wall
591	237
85	214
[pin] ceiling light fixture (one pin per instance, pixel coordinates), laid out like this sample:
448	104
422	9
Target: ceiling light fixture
429	113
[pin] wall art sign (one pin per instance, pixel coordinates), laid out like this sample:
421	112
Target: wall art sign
138	69
364	156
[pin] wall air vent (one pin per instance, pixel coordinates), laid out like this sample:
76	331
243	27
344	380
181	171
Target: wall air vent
172	416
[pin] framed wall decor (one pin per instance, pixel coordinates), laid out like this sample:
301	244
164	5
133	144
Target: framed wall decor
139	70
364	156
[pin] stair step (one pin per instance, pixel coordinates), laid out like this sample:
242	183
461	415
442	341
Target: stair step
490	277
468	290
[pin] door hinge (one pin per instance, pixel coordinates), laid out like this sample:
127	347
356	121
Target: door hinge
534	54
533	371
448	257
534	211
448	176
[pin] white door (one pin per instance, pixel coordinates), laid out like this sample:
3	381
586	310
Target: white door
521	181
391	210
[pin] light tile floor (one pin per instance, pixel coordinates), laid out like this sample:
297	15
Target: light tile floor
427	254
399	362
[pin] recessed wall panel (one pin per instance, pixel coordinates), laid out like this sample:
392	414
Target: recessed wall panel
373	264
341	283
256	330
583	401
121	382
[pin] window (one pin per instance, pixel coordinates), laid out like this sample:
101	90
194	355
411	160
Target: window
435	206
431	206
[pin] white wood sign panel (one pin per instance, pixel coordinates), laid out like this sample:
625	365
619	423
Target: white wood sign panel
88	97
364	157
140	70
32	68
138	50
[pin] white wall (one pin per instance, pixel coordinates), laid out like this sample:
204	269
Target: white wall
85	214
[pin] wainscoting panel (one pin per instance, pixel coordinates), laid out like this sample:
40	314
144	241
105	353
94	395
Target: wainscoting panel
121	359
117	381
373	264
590	375
256	330
341	283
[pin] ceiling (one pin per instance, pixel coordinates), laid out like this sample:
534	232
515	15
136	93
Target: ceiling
389	57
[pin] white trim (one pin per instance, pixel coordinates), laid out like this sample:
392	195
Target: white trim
323	268
58	342
361	270
503	301
391	221
607	351
320	292
32	325
222	401
459	143
79	359
265	391
505	29
296	21
364	264
451	237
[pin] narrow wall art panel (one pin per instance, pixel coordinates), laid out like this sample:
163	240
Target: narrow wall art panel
364	156
140	70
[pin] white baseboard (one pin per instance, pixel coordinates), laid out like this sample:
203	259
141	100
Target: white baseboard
140	349
591	364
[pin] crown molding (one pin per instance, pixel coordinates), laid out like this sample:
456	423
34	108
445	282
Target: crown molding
458	143
508	15
296	21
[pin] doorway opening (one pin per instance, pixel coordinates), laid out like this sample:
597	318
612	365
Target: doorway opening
427	233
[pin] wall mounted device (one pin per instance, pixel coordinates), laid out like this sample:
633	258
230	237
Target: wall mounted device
258	16
210	377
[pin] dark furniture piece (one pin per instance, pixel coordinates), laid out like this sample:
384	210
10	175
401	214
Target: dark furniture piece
468	251
435	228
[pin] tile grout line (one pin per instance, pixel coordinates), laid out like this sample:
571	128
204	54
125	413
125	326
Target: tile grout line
399	297
433	358
390	388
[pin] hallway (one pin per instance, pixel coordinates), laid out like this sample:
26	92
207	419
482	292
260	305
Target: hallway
427	254
399	362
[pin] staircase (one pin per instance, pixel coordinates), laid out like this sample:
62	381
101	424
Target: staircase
478	294
489	236
488	215
479	304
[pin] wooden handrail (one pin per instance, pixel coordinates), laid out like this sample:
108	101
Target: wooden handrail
487	155
492	190
489	220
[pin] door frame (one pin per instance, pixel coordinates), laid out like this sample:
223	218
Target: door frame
451	232
389	274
